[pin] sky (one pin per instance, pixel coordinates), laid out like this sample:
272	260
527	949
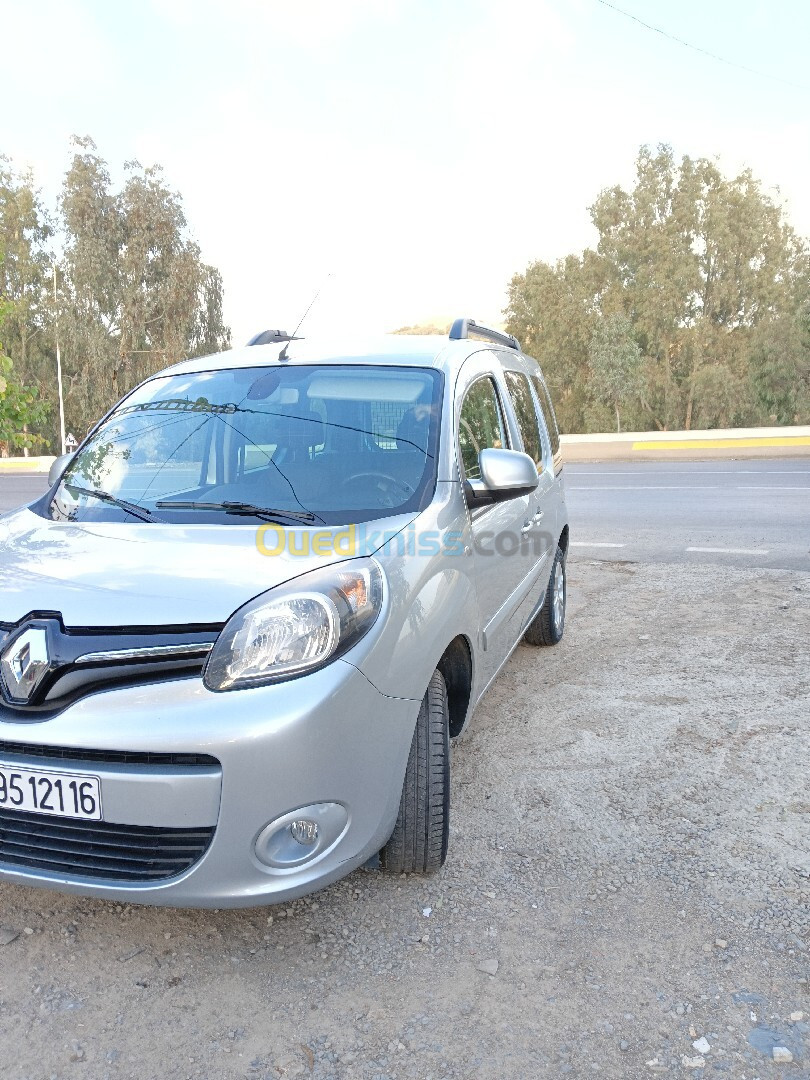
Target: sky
404	158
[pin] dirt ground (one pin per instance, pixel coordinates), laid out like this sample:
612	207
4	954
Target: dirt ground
629	875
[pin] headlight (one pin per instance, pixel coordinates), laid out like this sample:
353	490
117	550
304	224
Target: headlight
296	627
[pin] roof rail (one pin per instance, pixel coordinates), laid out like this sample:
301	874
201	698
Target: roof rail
271	337
467	328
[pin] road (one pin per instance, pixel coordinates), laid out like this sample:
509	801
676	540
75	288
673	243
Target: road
738	513
17	489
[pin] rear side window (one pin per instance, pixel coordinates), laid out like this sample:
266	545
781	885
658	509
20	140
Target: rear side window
548	413
480	425
521	395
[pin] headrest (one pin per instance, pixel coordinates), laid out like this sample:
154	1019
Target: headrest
412	431
299	430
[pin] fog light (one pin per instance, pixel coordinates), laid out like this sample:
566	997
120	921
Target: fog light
304	831
301	836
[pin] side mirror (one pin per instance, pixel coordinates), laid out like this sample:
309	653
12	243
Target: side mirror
58	467
505	474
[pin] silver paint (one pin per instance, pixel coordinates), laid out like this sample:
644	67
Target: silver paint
340	734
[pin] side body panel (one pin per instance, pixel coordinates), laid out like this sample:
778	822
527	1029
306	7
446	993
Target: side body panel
431	598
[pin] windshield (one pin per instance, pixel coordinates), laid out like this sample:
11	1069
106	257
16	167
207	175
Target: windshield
332	444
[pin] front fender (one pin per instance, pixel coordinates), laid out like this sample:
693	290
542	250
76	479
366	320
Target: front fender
432	600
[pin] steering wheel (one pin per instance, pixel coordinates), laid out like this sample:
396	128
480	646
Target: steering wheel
384	486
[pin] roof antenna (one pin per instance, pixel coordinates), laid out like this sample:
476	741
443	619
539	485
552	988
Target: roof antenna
283	354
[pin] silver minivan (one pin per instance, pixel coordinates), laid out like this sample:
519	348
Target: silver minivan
239	631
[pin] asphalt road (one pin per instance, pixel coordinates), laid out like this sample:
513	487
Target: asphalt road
739	513
15	489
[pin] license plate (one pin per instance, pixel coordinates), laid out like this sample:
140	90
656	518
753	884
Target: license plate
70	795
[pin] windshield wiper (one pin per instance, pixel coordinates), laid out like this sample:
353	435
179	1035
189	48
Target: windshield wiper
135	509
247	509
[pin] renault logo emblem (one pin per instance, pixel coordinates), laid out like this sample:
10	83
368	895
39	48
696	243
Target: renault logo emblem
24	663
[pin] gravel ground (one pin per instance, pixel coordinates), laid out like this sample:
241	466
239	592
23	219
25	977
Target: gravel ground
627	892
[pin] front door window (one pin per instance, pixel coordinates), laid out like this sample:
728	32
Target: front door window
480	426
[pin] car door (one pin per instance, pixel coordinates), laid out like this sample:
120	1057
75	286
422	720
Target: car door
548	424
536	443
542	512
500	562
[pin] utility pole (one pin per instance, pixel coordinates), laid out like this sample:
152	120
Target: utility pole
59	368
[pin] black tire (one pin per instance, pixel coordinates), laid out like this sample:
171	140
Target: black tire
548	625
418	844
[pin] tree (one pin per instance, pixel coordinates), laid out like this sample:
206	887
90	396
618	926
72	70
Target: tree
132	292
698	260
698	263
25	233
19	405
614	358
553	313
20	409
135	294
5	361
779	368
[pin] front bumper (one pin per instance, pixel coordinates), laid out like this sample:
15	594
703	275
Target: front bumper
329	737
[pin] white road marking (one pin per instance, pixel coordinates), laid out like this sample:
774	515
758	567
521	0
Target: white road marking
697	488
595	543
583	468
729	551
647	487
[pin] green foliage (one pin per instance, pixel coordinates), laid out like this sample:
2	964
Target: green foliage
20	409
133	294
553	314
25	232
614	358
779	368
709	278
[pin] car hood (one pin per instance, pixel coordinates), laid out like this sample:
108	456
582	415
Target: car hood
152	574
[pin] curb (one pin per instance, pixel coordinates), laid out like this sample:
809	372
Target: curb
26	464
688	445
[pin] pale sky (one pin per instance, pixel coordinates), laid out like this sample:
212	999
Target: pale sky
419	152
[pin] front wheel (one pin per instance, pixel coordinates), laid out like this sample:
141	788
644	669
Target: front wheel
546	628
418	844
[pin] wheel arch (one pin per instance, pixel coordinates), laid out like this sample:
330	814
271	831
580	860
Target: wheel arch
456	666
563	541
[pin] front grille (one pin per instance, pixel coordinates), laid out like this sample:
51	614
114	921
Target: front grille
83	662
98	849
113	757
